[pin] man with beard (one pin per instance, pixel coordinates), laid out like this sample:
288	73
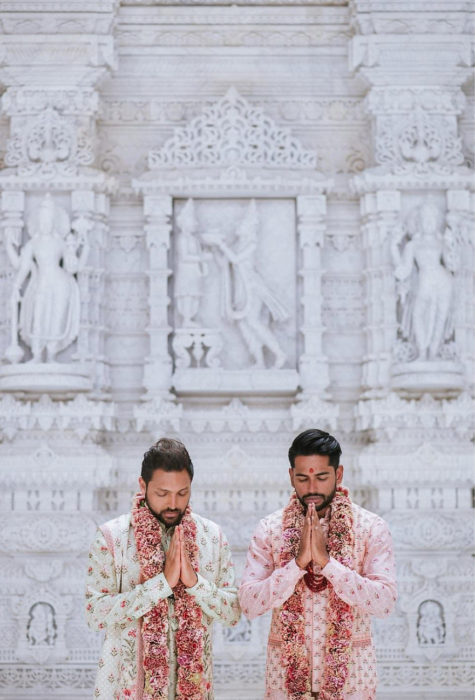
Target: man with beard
157	579
323	565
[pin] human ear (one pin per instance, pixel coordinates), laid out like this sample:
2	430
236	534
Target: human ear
339	474
291	474
142	484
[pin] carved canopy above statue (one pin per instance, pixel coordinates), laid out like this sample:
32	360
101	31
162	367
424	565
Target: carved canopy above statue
232	147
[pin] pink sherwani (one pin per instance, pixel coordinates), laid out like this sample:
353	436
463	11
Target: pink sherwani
370	588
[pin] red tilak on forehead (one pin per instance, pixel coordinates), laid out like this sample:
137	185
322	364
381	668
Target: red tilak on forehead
311	470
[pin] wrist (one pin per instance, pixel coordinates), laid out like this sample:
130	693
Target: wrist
323	561
300	564
192	584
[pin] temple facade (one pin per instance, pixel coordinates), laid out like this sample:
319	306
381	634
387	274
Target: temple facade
230	222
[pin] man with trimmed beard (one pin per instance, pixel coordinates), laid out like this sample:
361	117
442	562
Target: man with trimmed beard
323	565
157	579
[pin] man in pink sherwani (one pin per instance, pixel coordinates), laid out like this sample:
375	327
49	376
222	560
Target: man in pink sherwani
324	566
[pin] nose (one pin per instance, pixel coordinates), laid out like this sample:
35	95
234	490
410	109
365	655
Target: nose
172	502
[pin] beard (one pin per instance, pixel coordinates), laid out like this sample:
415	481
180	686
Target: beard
326	500
168	522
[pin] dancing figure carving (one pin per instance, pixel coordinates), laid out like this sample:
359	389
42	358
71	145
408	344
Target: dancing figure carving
245	293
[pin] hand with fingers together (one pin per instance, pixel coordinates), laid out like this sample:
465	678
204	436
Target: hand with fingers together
313	547
188	574
304	556
177	563
172	568
319	544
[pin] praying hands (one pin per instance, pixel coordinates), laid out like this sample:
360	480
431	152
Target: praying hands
177	563
313	546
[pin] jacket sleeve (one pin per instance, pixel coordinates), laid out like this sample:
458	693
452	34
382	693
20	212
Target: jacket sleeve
218	599
374	590
105	605
263	585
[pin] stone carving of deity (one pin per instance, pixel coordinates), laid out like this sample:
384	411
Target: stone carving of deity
41	628
425	259
191	267
430	623
45	299
245	294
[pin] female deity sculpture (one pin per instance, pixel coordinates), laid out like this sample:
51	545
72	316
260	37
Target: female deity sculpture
48	318
424	272
245	293
191	267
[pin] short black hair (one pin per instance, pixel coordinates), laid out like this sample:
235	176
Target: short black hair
167	454
315	442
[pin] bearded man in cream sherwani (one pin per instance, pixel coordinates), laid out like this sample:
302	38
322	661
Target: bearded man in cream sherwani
158	577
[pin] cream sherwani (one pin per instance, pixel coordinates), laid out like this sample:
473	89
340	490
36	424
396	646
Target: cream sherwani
370	588
117	600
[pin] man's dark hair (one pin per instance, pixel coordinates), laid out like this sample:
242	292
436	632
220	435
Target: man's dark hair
169	455
315	442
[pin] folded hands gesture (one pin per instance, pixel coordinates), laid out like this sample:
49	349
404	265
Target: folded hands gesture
177	563
313	546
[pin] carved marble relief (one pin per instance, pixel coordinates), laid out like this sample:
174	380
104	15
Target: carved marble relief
41	629
49	143
426	257
45	288
235	283
419	142
293	251
430	623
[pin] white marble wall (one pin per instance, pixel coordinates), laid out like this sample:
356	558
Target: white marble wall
263	221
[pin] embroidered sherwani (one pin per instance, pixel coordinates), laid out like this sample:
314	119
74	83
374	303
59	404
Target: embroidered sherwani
370	588
117	600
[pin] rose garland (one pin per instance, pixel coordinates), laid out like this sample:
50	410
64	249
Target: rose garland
190	632
339	614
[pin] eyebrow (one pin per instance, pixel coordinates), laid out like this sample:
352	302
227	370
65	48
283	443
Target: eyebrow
160	488
317	473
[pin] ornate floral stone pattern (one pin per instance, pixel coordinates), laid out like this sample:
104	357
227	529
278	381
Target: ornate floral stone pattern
247	237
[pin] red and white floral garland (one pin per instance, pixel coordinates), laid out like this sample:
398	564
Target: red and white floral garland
339	614
190	632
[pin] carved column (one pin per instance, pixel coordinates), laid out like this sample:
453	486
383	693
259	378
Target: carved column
54	411
313	365
416	205
12	222
51	142
158	367
379	212
414	102
90	212
418	465
460	213
52	103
